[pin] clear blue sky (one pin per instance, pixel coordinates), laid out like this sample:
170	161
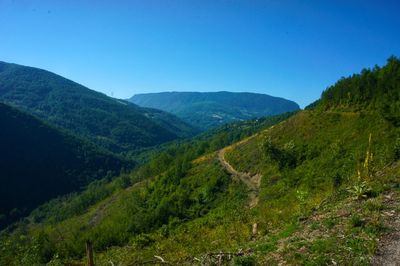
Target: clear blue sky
293	49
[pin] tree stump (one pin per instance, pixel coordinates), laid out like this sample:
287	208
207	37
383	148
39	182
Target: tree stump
254	231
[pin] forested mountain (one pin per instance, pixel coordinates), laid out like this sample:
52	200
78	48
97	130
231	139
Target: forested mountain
114	124
317	187
211	109
39	162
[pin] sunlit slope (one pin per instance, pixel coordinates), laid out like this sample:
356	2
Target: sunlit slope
306	190
313	152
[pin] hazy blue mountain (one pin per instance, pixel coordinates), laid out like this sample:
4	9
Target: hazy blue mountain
39	162
210	109
115	124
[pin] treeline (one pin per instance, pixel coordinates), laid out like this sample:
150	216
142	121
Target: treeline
375	89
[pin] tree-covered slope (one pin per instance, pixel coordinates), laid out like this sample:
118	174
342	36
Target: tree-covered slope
376	89
39	162
115	124
211	109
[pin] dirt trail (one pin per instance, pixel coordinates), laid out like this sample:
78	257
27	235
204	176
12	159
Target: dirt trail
252	182
389	245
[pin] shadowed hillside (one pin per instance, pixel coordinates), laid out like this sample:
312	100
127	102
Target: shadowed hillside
39	162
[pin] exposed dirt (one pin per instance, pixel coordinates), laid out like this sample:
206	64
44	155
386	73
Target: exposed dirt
252	182
389	245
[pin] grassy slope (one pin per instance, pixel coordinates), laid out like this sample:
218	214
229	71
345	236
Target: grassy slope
305	214
326	209
329	148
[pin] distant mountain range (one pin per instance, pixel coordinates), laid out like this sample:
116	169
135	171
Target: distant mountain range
114	124
39	162
210	109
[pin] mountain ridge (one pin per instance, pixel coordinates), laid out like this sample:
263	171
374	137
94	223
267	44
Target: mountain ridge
114	124
210	109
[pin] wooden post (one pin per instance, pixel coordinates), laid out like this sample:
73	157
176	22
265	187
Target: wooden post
254	231
89	253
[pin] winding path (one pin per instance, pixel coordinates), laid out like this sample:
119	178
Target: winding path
252	182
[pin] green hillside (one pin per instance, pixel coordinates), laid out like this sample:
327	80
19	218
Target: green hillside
319	187
211	109
39	162
114	124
